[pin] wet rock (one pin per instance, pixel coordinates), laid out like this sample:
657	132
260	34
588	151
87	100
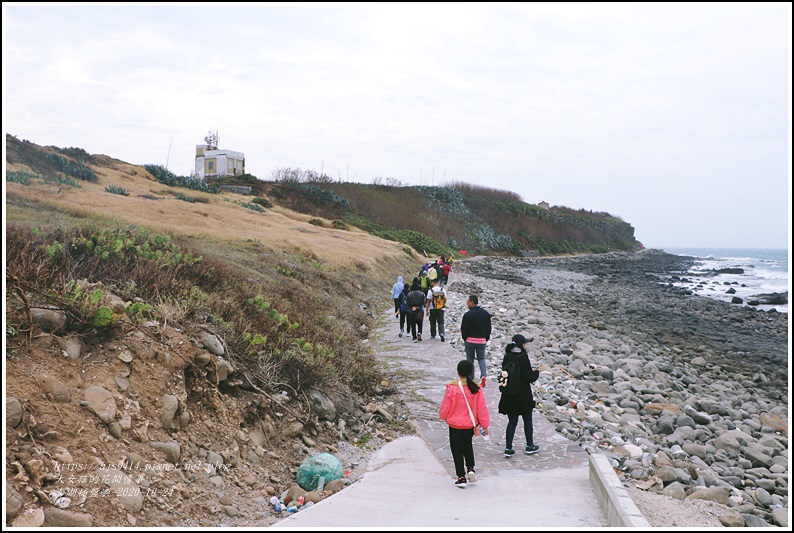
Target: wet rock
13	412
100	402
60	518
49	320
53	388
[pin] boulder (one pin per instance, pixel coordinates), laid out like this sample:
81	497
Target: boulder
712	494
124	489
55	517
170	405
322	406
14	502
13	412
100	402
212	343
72	347
49	320
53	389
171	450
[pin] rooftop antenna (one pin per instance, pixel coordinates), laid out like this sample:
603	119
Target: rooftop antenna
168	158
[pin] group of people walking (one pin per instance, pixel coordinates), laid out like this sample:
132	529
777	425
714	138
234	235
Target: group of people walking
425	296
464	407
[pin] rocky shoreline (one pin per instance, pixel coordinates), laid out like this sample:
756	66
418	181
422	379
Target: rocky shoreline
687	396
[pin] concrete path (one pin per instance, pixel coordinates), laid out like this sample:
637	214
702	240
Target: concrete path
409	482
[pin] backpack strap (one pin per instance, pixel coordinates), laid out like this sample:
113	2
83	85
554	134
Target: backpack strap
473	422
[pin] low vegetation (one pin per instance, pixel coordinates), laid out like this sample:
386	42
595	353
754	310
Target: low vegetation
278	331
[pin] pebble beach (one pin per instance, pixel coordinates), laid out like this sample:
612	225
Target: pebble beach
686	396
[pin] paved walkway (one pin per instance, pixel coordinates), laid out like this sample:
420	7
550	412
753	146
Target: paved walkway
410	481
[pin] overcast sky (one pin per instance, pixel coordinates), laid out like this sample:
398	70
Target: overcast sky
676	118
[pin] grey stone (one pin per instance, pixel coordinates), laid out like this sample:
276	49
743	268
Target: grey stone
675	490
215	459
114	428
231	510
713	494
53	388
124	489
697	416
757	456
171	450
49	320
213	344
322	406
780	516
60	518
731	518
751	520
13	412
29	518
14	502
170	405
71	346
101	403
762	497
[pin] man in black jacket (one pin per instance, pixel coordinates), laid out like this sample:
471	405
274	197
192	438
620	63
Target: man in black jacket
475	328
416	311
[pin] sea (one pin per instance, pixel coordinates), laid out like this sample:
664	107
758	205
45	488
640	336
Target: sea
763	271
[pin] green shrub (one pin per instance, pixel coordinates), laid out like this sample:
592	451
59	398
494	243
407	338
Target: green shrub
166	177
115	189
264	202
249	205
21	177
317	222
184	198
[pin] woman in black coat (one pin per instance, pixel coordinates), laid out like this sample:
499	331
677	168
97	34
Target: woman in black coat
521	403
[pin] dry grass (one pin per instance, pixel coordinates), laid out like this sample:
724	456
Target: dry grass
219	219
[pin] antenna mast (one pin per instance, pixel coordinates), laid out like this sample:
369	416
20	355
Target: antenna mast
168	158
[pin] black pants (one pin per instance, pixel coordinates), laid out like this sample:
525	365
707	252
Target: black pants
415	321
512	423
403	317
462	450
396	305
436	317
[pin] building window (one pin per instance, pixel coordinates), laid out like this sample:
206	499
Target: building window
211	165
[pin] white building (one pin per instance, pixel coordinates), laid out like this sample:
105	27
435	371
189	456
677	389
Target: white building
213	163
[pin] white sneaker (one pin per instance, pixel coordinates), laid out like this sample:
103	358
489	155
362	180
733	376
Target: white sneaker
472	476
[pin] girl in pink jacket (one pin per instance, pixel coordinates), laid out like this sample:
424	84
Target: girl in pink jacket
463	408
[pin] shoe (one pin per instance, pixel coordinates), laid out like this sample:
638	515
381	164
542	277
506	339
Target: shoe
419	337
401	333
461	482
472	476
482	382
442	338
530	449
432	337
509	452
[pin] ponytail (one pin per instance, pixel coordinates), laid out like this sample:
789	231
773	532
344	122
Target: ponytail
473	387
465	369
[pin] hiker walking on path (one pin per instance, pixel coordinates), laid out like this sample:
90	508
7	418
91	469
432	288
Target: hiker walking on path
404	309
436	302
517	400
416	311
464	410
396	289
475	328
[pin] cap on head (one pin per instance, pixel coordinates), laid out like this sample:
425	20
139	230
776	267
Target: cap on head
519	339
